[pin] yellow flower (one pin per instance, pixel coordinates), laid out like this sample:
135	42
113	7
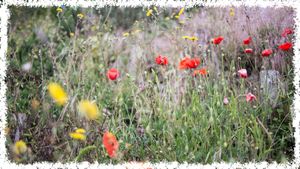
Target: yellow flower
80	15
20	147
88	109
59	10
57	93
80	130
167	18
149	12
192	38
231	12
71	34
125	34
179	13
79	134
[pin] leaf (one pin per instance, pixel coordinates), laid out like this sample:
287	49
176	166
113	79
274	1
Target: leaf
84	151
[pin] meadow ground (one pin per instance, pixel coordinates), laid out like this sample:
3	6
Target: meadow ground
149	84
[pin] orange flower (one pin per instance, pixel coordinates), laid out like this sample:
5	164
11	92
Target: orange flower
111	144
202	72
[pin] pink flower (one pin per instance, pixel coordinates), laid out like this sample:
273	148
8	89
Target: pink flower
243	73
225	100
250	97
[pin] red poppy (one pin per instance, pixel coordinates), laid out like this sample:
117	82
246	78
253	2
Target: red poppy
247	41
250	97
218	40
243	73
161	60
266	52
286	32
193	63
202	72
183	63
110	144
188	62
285	46
113	74
248	50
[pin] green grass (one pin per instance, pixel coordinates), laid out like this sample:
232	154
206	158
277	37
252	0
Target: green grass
163	113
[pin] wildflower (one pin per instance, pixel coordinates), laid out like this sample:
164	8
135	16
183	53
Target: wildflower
183	63
266	52
188	62
248	50
149	12
286	32
110	144
250	97
161	60
285	46
80	15
231	11
218	40
202	72
57	93
179	13
191	38
20	147
125	34
80	130
59	10
79	134
225	101
243	73
88	109
247	41
71	34
113	74
167	18
193	63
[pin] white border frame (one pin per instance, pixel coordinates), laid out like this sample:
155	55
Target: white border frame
4	14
